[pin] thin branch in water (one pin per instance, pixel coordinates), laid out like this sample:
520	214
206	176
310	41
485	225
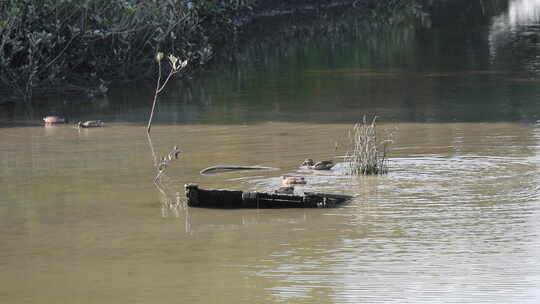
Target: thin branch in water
166	161
176	66
161	167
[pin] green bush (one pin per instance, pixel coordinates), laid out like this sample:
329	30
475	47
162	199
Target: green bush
52	42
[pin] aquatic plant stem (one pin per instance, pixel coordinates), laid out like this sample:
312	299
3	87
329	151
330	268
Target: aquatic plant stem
368	155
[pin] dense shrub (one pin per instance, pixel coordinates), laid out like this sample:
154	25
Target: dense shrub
51	42
76	43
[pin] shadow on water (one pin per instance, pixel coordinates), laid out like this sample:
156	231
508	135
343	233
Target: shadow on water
349	65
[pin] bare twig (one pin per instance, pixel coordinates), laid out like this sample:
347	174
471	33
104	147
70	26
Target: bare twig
165	162
176	66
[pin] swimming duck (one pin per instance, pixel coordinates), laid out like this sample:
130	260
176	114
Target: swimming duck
285	190
90	124
322	165
287	180
49	120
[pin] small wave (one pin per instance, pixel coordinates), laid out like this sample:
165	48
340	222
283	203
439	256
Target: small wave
473	179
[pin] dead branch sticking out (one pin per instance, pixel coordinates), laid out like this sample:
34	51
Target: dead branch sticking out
176	66
166	161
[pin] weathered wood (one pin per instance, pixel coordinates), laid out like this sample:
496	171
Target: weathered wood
197	197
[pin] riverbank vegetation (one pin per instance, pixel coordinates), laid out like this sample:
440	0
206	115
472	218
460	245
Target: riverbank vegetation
79	46
54	43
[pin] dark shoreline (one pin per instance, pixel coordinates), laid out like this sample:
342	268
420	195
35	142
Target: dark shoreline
222	39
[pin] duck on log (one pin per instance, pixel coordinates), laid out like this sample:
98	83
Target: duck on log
232	199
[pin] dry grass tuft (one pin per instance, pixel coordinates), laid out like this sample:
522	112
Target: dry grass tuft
369	156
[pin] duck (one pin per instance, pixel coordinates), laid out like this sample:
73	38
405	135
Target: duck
90	124
49	120
322	165
285	190
287	180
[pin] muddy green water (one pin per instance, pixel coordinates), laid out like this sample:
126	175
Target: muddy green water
455	221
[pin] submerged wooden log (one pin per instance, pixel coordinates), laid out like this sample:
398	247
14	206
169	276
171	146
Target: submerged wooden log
197	197
220	168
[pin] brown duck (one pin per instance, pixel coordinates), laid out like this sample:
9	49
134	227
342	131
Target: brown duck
90	124
285	190
287	180
322	165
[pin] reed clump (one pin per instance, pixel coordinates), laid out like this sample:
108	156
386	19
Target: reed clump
369	154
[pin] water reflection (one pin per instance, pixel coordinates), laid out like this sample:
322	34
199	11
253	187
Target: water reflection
523	13
170	205
399	73
514	36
